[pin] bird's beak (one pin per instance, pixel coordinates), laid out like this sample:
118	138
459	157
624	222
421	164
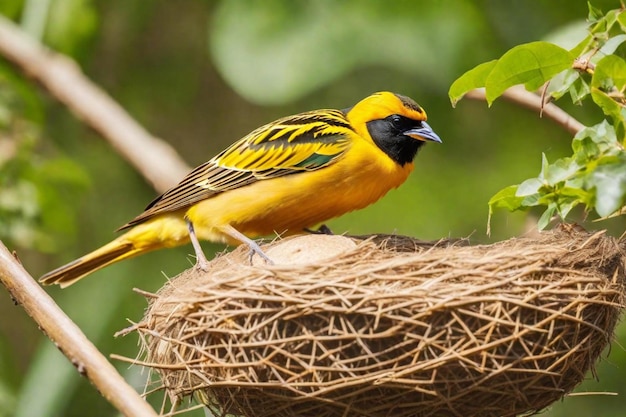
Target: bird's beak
424	133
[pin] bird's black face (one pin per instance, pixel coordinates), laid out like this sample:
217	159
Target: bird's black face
400	137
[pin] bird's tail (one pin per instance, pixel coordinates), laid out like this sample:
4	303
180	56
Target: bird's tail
112	252
163	231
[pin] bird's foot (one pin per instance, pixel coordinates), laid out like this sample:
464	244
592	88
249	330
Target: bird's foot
255	249
202	262
252	245
322	230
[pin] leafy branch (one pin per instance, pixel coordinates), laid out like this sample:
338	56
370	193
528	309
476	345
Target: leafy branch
594	176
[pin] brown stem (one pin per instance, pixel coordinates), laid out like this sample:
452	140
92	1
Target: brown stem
519	95
69	339
157	161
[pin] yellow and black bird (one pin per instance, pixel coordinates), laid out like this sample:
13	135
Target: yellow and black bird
281	178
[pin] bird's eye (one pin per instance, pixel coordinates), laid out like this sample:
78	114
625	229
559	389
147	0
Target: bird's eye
397	121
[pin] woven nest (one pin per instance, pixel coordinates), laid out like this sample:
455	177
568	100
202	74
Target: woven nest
389	326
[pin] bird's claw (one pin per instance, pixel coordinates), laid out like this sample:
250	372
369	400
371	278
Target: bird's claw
202	264
256	250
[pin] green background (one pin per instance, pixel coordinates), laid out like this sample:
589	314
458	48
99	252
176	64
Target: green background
200	75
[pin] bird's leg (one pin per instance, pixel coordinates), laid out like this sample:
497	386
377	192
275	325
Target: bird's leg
201	260
254	247
322	230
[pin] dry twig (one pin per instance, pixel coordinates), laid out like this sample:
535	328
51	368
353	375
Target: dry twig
519	95
69	339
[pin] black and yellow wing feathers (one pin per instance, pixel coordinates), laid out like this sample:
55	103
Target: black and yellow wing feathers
304	142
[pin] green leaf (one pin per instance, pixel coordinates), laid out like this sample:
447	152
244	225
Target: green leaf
602	25
611	108
610	76
529	187
545	218
563	82
606	103
604	142
561	170
576	194
610	73
545	165
579	90
585	149
602	133
610	183
531	64
609	47
474	78
610	18
595	13
506	198
532	200
621	19
563	208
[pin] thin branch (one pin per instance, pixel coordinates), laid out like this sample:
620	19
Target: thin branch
69	339
156	160
519	95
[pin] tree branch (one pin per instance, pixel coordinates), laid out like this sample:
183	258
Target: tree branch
156	160
519	95
69	339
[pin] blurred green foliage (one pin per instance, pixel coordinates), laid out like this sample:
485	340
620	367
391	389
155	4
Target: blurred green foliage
201	74
33	211
296	47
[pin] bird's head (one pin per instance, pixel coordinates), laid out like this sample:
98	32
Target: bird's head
394	123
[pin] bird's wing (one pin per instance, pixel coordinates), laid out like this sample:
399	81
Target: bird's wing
295	144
